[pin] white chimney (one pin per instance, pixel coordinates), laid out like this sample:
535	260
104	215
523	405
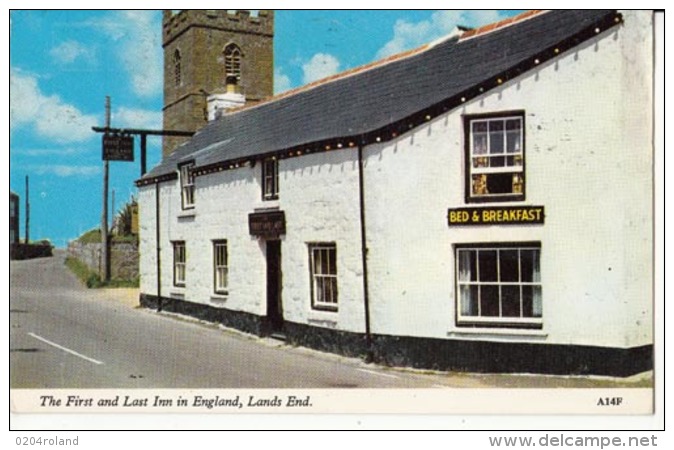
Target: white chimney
218	104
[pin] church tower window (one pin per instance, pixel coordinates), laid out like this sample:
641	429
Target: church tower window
233	61
177	68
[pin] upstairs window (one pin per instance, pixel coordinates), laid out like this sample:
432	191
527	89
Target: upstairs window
233	61
187	185
495	157
270	179
499	285
177	68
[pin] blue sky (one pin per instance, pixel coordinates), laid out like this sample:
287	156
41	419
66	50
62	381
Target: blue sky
64	63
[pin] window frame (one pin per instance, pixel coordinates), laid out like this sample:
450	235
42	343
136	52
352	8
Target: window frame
177	68
270	165
332	306
233	57
500	321
178	263
186	178
217	288
468	120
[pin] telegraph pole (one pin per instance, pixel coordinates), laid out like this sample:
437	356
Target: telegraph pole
104	219
27	213
113	209
118	146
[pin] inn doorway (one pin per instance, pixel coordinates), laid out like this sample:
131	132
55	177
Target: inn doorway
274	288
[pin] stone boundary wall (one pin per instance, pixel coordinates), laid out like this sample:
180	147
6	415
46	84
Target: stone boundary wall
123	258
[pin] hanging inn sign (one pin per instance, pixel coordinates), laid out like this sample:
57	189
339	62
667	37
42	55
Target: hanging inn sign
496	215
117	147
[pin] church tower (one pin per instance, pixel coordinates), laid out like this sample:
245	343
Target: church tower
213	60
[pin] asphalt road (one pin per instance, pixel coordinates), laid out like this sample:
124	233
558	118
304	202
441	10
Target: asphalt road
66	336
63	335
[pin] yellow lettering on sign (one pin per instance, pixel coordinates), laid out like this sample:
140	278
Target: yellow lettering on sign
500	215
496	215
525	214
458	216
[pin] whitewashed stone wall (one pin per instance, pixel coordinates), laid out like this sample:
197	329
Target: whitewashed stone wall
588	162
319	195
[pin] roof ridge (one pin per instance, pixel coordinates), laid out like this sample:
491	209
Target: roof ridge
389	59
501	24
338	76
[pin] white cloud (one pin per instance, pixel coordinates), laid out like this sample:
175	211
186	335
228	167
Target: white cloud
66	171
53	151
137	118
281	81
48	115
321	65
139	47
408	35
69	51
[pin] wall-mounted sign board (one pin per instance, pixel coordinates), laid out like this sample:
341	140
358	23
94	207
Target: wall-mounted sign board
496	215
271	224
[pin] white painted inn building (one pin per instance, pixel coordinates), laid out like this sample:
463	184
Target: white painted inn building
482	203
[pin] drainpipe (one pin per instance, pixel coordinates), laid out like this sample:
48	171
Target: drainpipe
363	248
156	227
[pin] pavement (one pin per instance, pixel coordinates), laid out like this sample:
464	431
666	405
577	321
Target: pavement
125	296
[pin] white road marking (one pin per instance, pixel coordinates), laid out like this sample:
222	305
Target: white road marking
440	386
72	352
387	375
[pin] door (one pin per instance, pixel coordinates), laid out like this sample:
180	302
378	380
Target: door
274	286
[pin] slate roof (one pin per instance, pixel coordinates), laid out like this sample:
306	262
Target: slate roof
395	94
